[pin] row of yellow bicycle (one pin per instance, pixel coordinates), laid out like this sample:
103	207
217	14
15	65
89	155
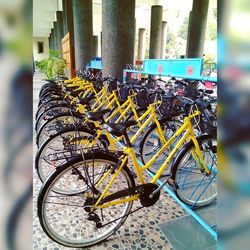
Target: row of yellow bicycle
95	136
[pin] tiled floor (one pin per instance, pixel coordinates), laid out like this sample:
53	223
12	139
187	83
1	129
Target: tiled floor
140	231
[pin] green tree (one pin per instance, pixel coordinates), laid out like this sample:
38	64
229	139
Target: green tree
173	46
211	32
183	31
53	66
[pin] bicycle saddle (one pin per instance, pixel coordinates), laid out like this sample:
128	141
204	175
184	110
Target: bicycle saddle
119	129
97	115
209	91
85	101
74	93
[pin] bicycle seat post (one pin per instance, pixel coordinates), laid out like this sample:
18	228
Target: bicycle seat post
127	140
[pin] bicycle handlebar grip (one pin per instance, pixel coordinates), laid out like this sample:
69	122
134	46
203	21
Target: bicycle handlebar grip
196	113
160	91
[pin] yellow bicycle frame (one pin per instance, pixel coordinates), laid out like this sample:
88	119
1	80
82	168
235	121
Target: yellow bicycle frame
123	110
129	151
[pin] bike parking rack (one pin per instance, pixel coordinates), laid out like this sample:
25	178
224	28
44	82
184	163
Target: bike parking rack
202	222
94	64
190	68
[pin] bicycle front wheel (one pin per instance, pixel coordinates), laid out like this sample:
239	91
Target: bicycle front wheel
151	143
193	186
64	217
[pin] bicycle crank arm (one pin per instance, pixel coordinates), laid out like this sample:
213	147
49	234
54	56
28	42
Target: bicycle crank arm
169	181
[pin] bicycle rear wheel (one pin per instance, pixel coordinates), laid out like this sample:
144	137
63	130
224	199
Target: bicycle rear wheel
43	107
65	219
49	114
54	125
62	147
193	186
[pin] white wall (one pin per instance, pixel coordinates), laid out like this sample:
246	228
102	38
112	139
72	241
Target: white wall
45	54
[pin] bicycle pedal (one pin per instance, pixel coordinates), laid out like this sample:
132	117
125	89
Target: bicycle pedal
172	183
74	172
90	217
137	154
94	217
98	224
208	174
133	174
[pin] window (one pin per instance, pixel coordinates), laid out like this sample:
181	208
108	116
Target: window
40	47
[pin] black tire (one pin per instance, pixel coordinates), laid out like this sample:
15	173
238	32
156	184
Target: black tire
47	107
102	143
207	142
46	100
169	127
47	202
51	89
50	113
41	132
50	92
46	87
50	96
49	104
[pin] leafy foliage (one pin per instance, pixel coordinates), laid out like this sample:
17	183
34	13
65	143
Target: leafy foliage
209	61
211	32
183	31
173	45
52	66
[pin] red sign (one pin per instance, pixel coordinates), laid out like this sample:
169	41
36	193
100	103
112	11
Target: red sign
209	85
138	62
190	70
160	68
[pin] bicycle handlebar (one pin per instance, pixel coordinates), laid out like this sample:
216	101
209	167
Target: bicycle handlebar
196	113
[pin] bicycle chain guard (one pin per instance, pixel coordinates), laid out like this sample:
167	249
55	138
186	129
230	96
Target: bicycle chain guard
143	190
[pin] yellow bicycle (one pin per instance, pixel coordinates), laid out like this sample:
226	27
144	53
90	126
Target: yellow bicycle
54	151
103	188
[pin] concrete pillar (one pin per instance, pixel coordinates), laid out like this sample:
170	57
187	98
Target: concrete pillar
141	44
70	23
59	17
65	19
134	58
95	46
163	39
56	46
188	32
101	43
155	32
50	42
197	28
51	45
83	32
118	26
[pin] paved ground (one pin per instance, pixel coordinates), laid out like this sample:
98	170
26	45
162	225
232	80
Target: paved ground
140	231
